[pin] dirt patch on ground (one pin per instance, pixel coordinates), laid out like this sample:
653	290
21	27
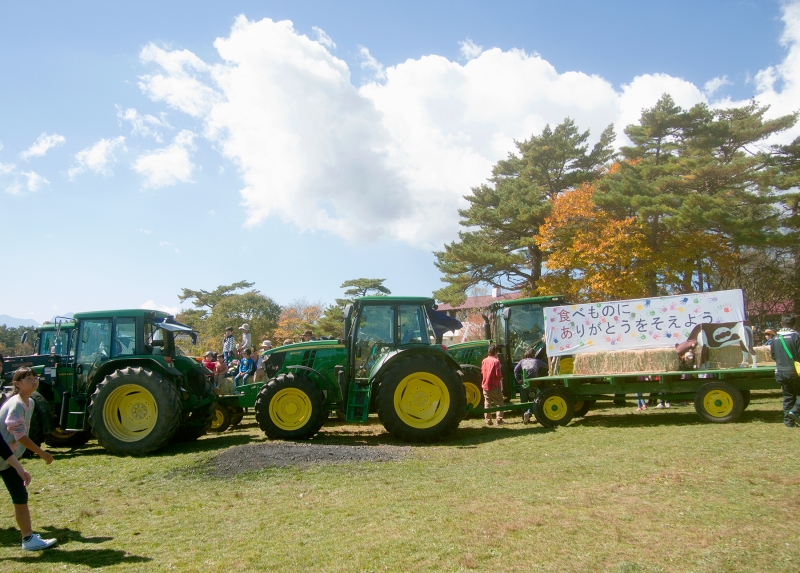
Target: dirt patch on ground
254	457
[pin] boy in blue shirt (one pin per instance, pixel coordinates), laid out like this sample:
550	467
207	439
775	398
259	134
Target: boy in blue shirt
246	368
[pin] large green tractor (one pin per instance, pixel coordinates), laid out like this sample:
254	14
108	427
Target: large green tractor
388	361
121	379
514	325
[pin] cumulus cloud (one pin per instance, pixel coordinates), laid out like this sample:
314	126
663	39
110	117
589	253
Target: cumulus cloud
712	85
98	157
368	62
169	165
6	168
394	157
32	183
153	305
469	49
43	143
145	125
323	38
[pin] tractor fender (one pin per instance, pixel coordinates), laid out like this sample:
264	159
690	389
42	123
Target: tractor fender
395	355
315	376
148	363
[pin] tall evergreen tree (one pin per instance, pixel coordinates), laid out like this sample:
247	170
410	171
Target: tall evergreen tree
504	214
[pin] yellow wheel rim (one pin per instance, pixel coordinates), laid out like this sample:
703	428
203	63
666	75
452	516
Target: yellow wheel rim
421	400
718	403
578	405
59	433
555	408
290	409
218	420
473	394
130	413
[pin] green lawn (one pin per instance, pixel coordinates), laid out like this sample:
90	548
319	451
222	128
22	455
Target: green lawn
616	491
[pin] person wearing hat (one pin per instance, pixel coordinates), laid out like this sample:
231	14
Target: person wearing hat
308	335
265	345
769	334
246	343
208	361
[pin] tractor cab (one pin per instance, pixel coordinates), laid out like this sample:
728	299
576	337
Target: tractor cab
56	338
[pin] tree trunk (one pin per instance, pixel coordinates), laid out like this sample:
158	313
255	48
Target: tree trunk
536	265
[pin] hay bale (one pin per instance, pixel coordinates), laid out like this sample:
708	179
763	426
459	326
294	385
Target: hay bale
627	361
731	357
226	386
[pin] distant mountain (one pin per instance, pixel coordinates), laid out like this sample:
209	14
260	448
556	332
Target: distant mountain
12	322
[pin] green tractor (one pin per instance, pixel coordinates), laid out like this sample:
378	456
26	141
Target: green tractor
388	361
120	378
514	325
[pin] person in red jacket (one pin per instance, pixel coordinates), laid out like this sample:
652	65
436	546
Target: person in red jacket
492	384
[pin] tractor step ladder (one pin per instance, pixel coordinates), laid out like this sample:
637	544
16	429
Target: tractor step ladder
358	401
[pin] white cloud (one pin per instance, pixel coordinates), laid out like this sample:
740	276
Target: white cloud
712	85
168	245
469	49
14	189
43	143
153	305
145	125
368	62
35	181
6	168
394	157
145	231
98	157
323	38
169	165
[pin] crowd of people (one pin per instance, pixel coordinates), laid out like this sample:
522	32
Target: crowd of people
244	357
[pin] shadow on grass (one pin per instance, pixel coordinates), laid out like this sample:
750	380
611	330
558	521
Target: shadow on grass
684	417
9	537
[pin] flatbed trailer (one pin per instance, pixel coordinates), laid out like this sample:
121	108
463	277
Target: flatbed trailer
719	395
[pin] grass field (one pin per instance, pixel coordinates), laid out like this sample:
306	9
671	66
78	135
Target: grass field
617	491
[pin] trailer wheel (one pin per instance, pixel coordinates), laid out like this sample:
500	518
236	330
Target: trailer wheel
59	438
421	398
745	398
472	387
222	419
290	407
554	406
582	407
237	413
134	411
718	402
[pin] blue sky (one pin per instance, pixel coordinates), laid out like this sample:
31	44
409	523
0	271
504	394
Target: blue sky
141	155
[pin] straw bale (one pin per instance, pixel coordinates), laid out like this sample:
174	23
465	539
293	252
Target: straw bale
731	357
226	386
625	361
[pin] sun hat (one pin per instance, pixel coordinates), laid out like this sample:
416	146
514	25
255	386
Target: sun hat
266	344
770	331
209	353
245	326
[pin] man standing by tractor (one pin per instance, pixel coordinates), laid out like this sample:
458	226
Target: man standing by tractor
492	384
786	353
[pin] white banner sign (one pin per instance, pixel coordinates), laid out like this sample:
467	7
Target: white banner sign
634	324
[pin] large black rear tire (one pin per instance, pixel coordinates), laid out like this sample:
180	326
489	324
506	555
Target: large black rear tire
421	398
134	411
290	407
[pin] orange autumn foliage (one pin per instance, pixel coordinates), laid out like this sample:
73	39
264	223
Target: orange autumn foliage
591	256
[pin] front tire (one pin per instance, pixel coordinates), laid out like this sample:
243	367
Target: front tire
472	387
290	407
554	406
421	398
718	402
134	411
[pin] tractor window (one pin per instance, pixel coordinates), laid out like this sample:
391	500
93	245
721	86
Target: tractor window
124	337
412	325
95	342
49	343
375	328
526	329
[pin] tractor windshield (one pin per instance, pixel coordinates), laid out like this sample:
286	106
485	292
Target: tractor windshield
526	329
49	343
375	335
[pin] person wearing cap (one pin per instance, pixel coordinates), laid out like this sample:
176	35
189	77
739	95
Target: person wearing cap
208	361
308	335
228	345
265	345
769	334
246	343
